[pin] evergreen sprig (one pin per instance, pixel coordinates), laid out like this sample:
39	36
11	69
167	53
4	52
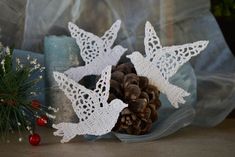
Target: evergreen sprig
17	90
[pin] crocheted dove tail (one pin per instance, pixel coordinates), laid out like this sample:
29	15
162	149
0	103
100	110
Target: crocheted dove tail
176	95
77	73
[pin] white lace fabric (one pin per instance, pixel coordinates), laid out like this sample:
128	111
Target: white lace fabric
96	116
95	51
161	63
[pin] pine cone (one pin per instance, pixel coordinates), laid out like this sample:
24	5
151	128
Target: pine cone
141	97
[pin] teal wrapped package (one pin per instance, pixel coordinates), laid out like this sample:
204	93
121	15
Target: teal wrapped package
60	54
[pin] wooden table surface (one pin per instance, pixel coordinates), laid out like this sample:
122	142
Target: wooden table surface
188	142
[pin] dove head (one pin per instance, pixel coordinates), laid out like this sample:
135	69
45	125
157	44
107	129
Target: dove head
135	57
117	105
118	51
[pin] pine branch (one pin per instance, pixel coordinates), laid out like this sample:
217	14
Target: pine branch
16	88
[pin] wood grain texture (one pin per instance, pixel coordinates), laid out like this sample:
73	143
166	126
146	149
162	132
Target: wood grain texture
191	141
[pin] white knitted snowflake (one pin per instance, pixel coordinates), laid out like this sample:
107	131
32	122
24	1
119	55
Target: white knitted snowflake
96	116
161	63
96	52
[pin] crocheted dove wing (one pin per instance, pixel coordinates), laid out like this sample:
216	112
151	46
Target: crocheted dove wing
110	35
169	59
103	85
83	100
92	46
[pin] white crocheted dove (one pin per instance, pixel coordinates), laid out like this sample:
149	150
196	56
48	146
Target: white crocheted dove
96	116
161	63
96	52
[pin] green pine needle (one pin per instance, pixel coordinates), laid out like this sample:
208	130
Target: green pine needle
17	90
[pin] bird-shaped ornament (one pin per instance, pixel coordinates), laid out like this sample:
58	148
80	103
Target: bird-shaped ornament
96	116
95	51
161	63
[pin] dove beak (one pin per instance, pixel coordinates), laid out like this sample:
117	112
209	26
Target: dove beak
124	105
128	56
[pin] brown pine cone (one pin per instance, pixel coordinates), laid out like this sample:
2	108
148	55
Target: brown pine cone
141	97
